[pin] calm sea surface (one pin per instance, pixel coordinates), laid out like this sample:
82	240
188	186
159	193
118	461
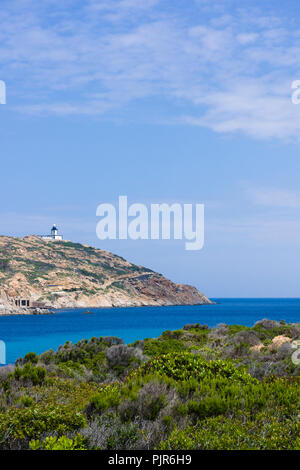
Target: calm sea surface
38	333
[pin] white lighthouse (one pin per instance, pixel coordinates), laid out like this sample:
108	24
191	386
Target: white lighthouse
54	231
54	234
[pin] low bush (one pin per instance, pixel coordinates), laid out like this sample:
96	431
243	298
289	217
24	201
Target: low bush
195	388
30	373
220	433
59	443
187	365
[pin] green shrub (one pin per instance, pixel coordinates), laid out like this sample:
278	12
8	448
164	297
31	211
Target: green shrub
124	437
27	401
35	420
59	443
186	366
34	374
187	396
108	397
222	433
154	347
31	357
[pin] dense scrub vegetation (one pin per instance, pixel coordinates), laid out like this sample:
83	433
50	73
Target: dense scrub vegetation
230	387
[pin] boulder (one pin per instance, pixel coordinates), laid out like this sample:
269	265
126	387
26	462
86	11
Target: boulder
268	324
248	337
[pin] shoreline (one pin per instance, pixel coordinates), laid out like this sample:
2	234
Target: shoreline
37	311
52	310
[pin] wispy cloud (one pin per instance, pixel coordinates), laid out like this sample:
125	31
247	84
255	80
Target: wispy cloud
274	197
231	68
267	230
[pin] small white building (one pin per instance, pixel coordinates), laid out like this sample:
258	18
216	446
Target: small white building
53	236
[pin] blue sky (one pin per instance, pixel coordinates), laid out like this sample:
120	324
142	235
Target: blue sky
162	101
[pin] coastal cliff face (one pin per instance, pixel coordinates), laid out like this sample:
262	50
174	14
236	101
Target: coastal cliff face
66	274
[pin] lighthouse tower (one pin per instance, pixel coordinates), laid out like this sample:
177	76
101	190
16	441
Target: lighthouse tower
54	234
54	231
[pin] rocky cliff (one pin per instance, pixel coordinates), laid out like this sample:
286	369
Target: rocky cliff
66	274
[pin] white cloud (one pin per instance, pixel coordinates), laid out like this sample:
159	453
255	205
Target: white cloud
247	38
274	197
234	68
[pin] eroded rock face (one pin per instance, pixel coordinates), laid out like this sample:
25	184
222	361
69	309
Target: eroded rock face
66	275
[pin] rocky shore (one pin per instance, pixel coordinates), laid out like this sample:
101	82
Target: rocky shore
11	310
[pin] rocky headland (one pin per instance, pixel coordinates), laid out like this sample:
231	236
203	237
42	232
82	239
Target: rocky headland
51	275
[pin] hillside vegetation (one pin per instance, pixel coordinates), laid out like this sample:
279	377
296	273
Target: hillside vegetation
230	387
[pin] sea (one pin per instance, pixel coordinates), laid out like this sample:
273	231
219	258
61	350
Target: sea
21	334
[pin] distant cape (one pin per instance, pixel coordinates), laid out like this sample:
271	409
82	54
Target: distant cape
57	274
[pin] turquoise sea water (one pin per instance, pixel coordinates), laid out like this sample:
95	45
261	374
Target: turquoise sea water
38	333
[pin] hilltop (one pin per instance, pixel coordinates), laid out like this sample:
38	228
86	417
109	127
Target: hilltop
63	274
